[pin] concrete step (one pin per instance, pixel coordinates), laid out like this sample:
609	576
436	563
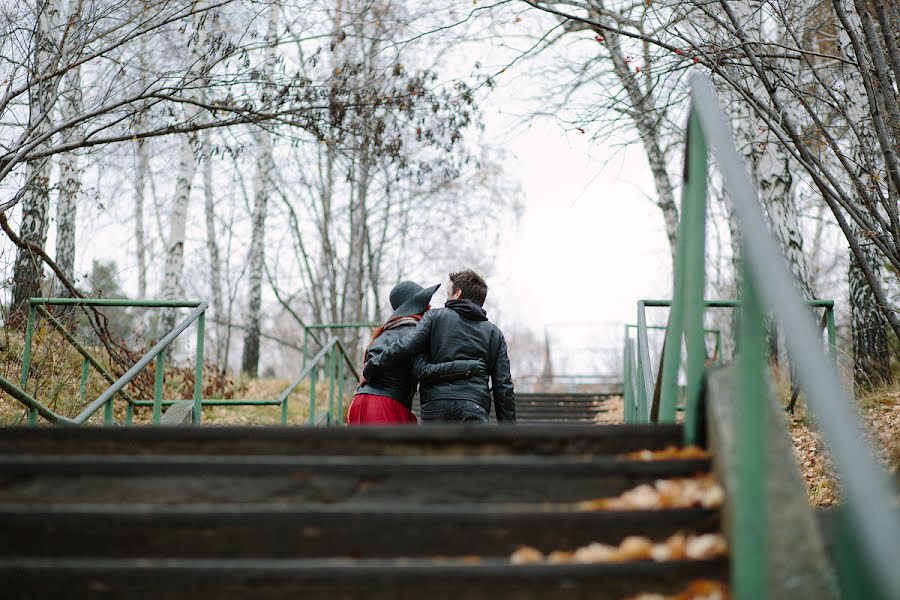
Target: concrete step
324	479
436	439
382	530
388	579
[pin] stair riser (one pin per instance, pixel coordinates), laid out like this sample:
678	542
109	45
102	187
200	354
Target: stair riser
129	534
424	485
579	582
434	440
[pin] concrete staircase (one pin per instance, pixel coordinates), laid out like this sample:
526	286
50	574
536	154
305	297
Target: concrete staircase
409	512
552	408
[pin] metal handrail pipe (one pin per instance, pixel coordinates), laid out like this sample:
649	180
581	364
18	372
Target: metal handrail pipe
313	364
140	365
656	303
215	402
24	398
644	358
81	349
340	325
869	494
347	358
122	302
663	328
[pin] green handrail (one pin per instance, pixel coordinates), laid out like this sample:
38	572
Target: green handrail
630	390
873	523
334	356
330	359
105	399
640	396
308	331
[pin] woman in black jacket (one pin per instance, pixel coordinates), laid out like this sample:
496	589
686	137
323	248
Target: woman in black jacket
387	400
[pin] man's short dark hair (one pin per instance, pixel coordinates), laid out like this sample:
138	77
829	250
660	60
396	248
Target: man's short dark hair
471	284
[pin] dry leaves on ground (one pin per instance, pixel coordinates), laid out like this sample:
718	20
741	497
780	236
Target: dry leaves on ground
702	491
699	589
678	547
879	410
669	453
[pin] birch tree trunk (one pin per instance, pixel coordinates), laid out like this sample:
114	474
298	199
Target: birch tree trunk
263	185
140	186
644	114
871	354
171	287
69	185
871	358
212	247
355	284
28	269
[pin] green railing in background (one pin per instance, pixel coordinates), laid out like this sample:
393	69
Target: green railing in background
327	365
872	523
637	394
309	332
38	306
639	371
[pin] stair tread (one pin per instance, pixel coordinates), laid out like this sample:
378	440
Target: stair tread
141	465
210	531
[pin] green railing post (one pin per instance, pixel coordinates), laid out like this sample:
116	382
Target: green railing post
198	371
832	337
305	346
750	564
284	410
26	361
628	393
341	387
693	214
158	387
645	369
332	371
129	413
108	412
312	395
640	400
82	384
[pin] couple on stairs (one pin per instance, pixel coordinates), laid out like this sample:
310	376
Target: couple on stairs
451	353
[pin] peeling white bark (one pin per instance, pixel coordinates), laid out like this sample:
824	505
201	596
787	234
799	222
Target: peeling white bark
263	186
36	201
69	184
171	286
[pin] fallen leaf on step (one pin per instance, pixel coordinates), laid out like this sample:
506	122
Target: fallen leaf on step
710	545
699	589
668	453
680	546
526	555
702	491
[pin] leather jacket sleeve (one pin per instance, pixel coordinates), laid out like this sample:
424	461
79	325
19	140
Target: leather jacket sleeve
415	343
504	394
446	371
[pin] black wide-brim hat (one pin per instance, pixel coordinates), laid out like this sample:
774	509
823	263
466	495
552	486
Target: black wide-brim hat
410	298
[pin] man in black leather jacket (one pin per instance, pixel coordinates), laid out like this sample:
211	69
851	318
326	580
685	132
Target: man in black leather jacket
460	331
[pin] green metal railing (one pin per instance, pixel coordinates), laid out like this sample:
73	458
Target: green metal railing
331	359
38	306
637	393
326	366
640	383
872	525
309	332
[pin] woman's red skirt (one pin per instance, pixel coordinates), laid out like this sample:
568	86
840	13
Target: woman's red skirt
369	409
